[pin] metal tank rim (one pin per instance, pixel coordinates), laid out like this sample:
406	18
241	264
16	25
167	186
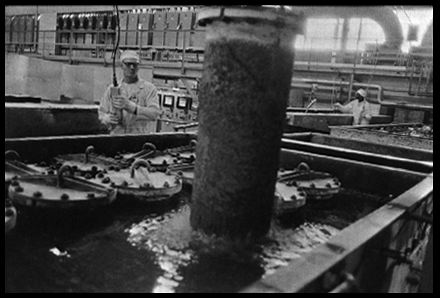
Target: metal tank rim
293	18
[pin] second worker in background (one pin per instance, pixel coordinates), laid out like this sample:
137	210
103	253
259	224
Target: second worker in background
359	107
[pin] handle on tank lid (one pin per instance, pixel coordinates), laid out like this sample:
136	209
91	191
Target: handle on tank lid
64	168
136	164
12	155
89	150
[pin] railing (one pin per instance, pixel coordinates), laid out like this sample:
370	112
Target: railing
337	85
184	42
68	43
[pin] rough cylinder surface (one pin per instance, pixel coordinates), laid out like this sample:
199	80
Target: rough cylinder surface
242	102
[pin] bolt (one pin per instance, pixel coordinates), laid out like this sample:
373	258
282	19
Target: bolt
94	169
146	186
90	195
113	184
15	183
164	162
88	176
328	185
106	180
117	169
100	175
312	185
38	194
111	168
166	184
50	172
293	197
64	197
18	189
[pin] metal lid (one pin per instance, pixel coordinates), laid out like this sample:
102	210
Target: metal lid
282	17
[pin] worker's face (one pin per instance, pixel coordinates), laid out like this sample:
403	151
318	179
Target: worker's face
359	97
130	69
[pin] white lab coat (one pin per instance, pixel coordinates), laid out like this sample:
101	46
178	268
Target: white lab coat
144	95
361	111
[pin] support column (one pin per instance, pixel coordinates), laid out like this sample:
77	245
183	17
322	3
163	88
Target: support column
344	38
242	105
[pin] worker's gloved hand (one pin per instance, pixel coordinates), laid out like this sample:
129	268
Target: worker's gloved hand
109	119
123	103
337	106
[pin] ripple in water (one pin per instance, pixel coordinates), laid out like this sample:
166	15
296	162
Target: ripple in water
176	245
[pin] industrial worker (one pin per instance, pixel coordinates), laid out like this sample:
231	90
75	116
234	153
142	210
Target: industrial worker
136	108
359	107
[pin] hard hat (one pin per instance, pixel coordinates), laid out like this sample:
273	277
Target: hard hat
130	57
362	92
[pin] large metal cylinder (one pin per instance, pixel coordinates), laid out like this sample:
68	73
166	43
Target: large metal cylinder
242	104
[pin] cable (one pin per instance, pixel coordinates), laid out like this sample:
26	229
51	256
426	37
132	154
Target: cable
115	49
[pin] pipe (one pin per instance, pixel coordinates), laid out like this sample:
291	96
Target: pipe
310	105
383	15
335	83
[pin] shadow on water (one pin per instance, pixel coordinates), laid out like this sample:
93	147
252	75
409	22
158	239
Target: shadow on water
151	248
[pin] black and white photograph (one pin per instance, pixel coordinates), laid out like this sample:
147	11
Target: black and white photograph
219	149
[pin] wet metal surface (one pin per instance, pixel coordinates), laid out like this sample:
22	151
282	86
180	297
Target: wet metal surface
153	249
109	250
413	135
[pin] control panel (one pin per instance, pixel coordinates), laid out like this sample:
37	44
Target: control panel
178	108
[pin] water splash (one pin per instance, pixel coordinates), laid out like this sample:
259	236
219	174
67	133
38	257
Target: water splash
286	244
169	237
176	245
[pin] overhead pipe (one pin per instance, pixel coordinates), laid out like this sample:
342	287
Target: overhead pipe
383	15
